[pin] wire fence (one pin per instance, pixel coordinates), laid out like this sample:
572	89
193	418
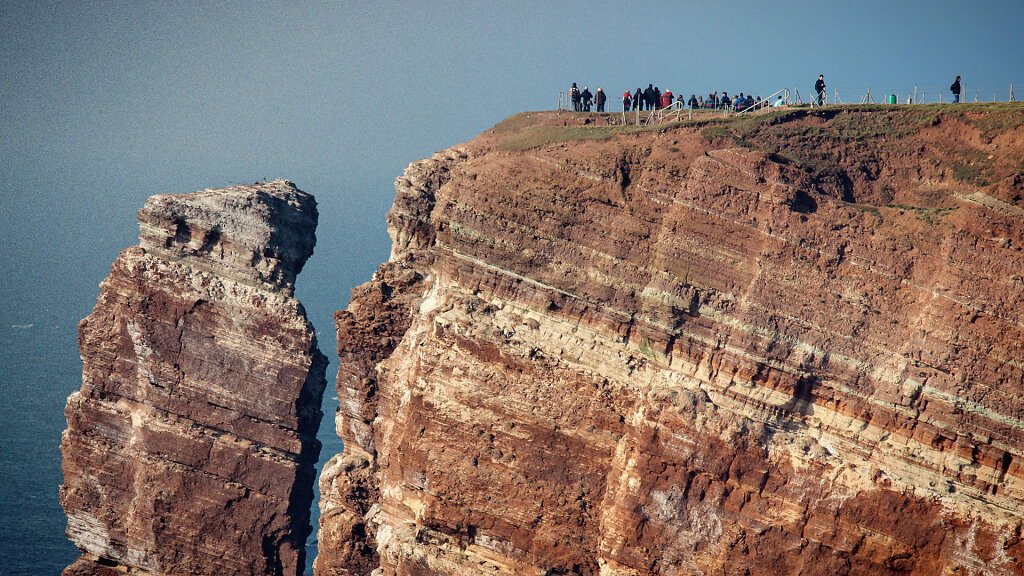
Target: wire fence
911	94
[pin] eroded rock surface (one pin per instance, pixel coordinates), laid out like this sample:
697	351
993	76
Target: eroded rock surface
784	345
191	446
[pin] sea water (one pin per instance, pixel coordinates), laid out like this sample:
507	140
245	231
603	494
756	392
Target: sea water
40	365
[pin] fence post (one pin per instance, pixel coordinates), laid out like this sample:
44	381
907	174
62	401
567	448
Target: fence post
1011	93
915	93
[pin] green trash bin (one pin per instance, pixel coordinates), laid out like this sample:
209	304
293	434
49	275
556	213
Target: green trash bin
892	98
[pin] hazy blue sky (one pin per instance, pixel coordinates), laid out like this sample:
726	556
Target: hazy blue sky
103	104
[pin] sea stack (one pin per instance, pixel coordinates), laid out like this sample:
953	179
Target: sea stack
191	445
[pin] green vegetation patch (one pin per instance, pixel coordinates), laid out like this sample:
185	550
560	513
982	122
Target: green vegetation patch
519	122
973	167
930	216
969	174
865	208
719	131
544	135
990	117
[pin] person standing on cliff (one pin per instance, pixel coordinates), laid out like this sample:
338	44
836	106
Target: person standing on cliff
627	99
587	98
819	87
955	89
600	99
649	97
574	94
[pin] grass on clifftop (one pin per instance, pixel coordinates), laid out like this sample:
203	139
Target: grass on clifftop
850	122
543	135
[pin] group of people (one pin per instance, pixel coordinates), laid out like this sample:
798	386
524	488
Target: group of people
715	102
652	98
582	101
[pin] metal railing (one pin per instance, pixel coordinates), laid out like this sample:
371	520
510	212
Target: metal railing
781	98
658	116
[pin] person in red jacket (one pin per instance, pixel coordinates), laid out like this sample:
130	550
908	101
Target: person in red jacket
666	98
627	99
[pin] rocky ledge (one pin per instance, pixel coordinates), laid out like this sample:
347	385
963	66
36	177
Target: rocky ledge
191	445
781	345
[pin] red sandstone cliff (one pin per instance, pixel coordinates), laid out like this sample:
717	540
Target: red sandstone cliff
191	446
791	344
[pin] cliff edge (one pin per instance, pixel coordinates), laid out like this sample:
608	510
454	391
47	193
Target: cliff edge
787	344
191	445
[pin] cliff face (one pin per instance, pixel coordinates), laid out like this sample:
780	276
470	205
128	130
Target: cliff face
191	446
783	345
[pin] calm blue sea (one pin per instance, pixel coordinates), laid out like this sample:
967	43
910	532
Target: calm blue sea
39	358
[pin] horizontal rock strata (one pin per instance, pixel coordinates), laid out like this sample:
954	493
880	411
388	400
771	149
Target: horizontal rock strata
191	446
783	345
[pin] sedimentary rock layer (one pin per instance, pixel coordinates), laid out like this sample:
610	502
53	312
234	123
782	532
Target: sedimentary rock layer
782	345
191	446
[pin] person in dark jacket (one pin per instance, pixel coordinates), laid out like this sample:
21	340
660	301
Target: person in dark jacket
819	87
693	101
657	98
600	99
649	97
574	93
638	100
955	89
587	98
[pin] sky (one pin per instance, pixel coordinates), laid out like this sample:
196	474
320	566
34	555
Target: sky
103	104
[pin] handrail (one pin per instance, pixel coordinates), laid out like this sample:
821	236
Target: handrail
769	102
779	98
814	99
676	106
